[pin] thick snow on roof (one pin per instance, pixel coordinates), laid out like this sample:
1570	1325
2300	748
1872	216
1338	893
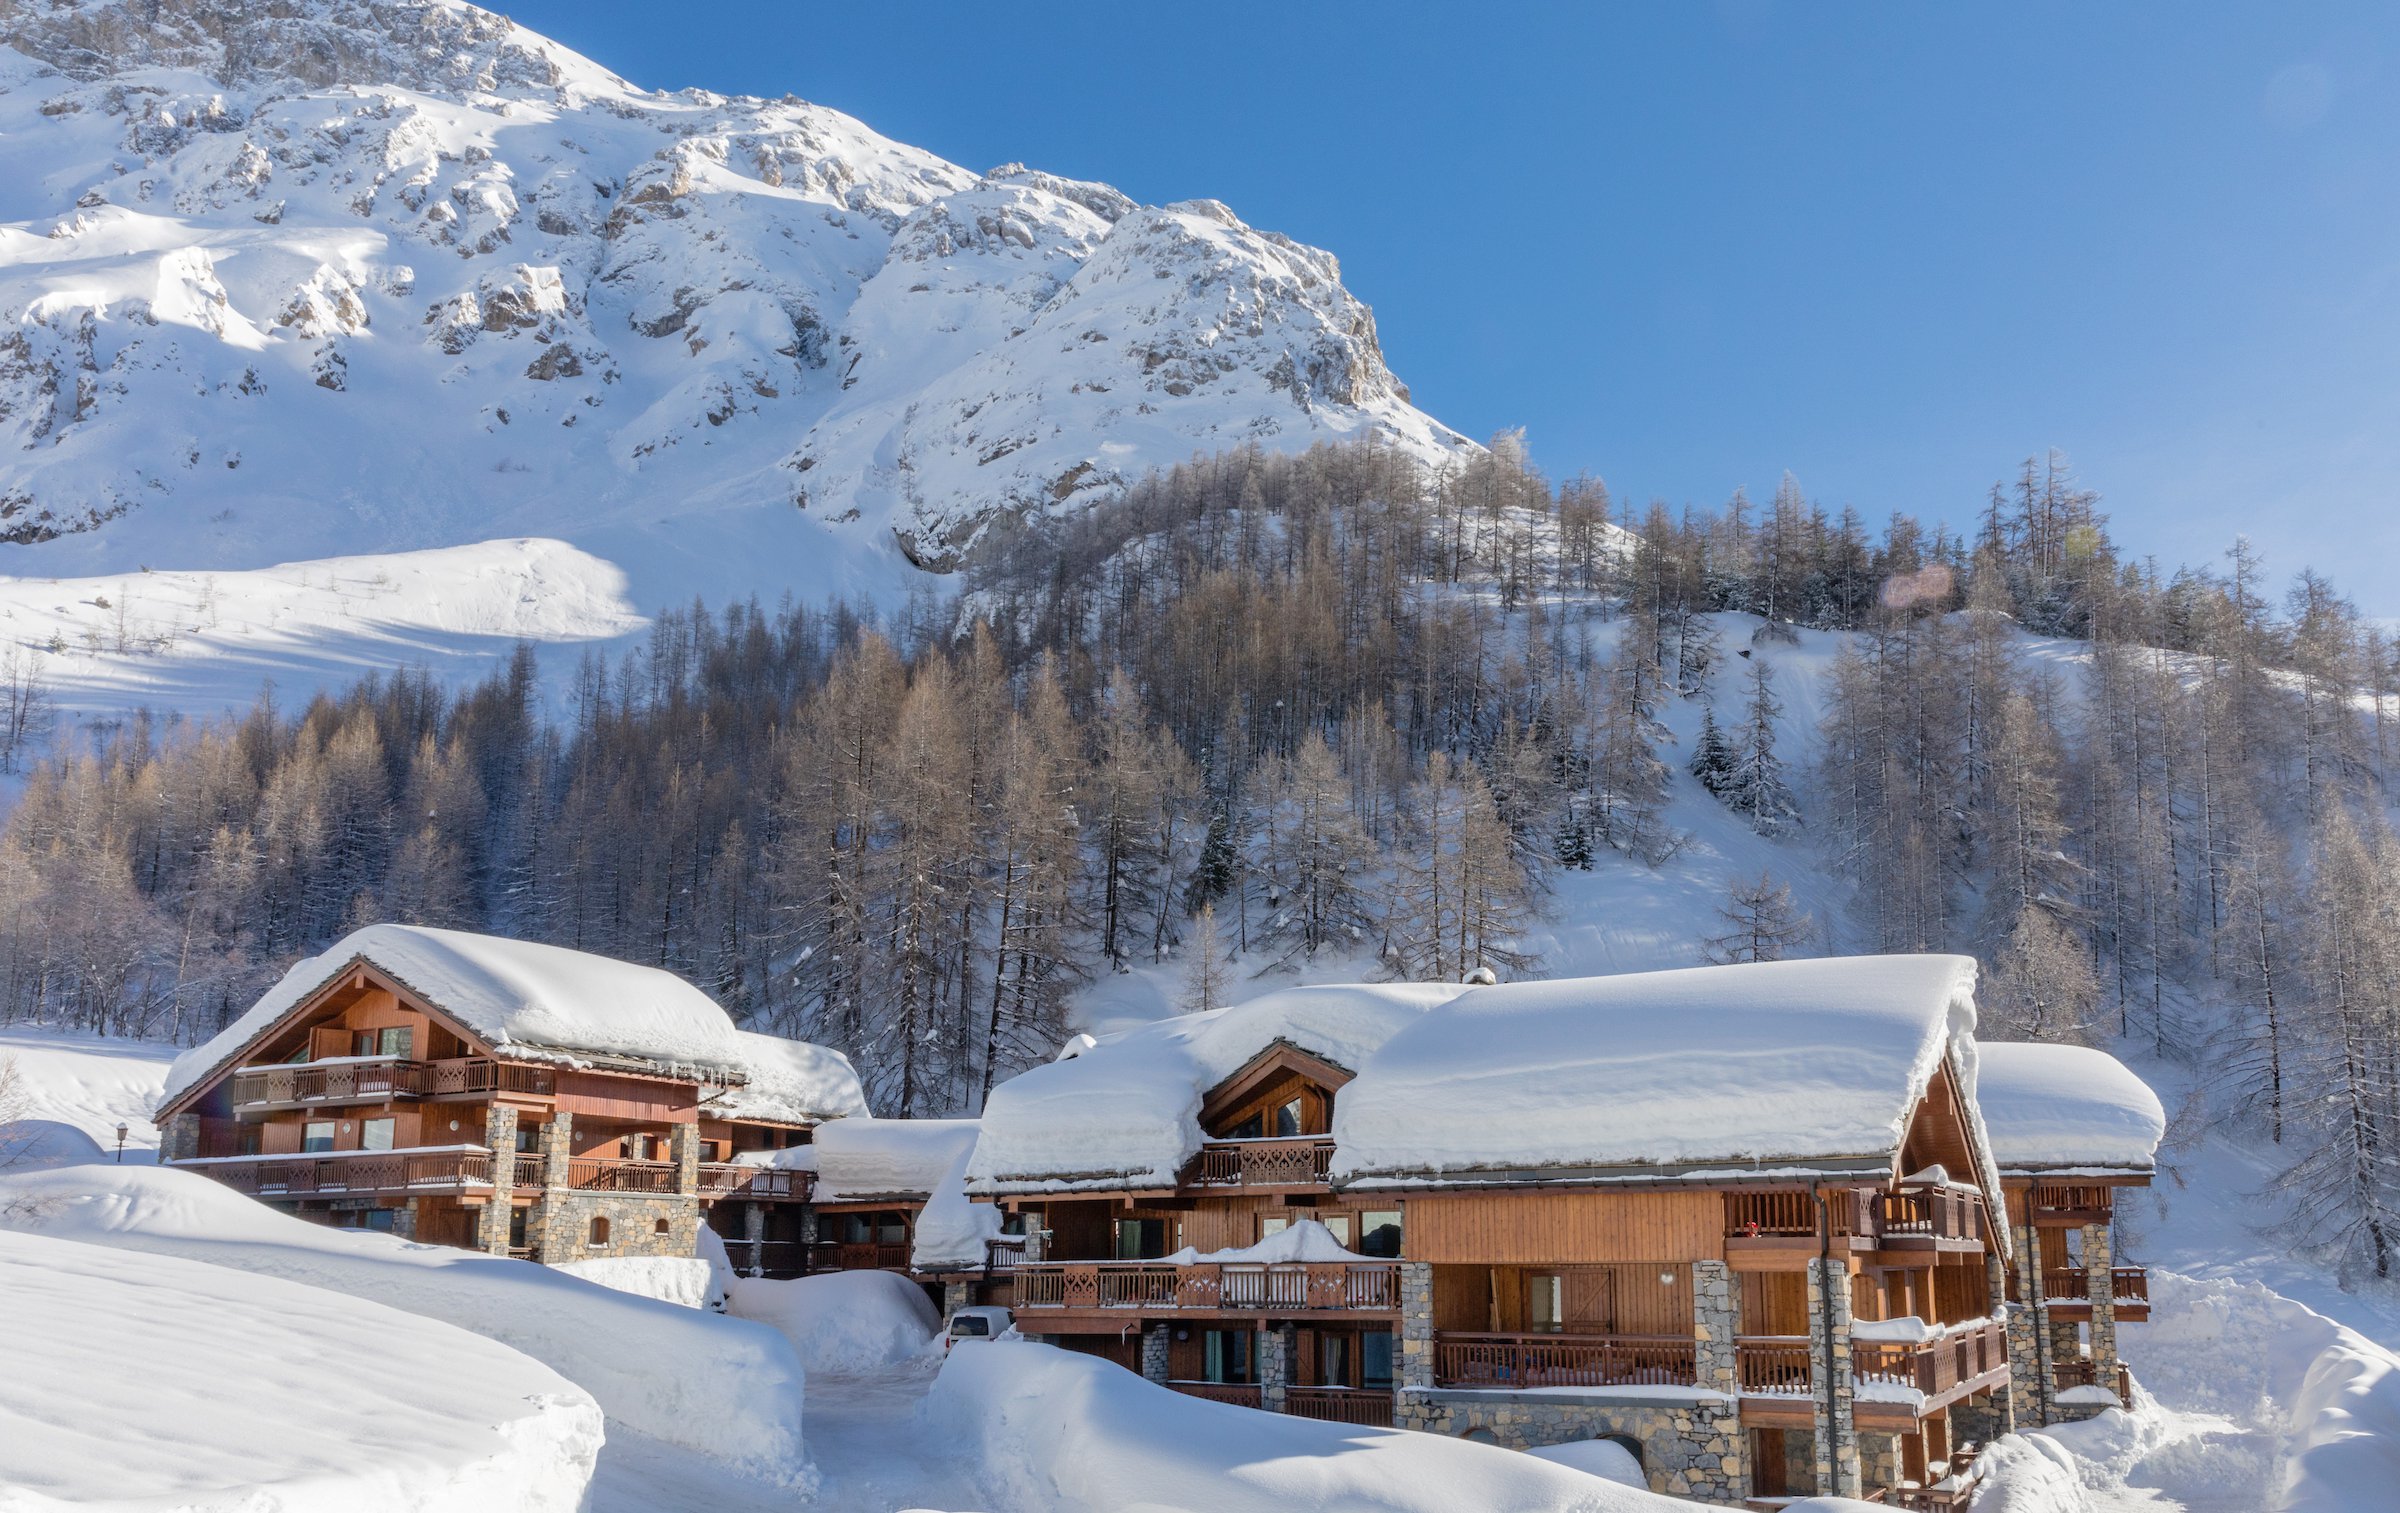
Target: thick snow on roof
1303	1240
791	1082
878	1158
527	1001
954	1232
1125	1112
1761	1065
2066	1108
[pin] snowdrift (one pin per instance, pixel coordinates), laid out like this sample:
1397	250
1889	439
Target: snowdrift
91	1083
844	1321
723	1387
263	1396
1057	1432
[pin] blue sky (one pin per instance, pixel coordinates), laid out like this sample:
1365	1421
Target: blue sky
1893	249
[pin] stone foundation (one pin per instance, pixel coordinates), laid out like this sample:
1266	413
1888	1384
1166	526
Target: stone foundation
1979	1421
1689	1448
1157	1342
180	1140
563	1223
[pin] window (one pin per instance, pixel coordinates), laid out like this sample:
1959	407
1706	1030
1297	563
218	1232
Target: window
376	1134
1333	1360
857	1230
1268	1227
516	1226
1375	1359
1287	1119
316	1135
1337	1225
1379	1233
1141	1239
658	1226
396	1040
1545	1303
378	1218
362	1042
1249	1129
529	1139
599	1229
1225	1355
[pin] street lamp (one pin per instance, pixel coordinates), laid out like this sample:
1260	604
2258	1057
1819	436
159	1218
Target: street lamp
120	1142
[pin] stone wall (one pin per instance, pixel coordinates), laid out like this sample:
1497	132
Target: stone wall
1274	1366
564	1221
1158	1341
1689	1448
1416	1325
2029	1383
500	1138
180	1140
1879	1460
2099	1261
1716	1320
1979	1421
1836	1438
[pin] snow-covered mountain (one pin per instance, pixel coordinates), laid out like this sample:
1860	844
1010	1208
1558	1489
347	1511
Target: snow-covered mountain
288	279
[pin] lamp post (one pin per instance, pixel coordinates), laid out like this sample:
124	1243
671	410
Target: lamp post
120	1142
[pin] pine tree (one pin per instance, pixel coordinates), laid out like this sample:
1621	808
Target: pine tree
1712	755
1752	785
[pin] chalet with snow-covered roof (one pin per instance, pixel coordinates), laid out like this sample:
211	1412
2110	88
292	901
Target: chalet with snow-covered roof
1740	1218
503	1096
2071	1128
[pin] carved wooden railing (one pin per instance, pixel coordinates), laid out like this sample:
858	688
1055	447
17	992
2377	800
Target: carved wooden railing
1302	1162
1929	1213
396	1171
1341	1405
611	1174
1793	1215
2070	1284
766	1184
1564	1360
1773	1365
1295	1287
2129	1284
1933	1367
385	1077
2070	1202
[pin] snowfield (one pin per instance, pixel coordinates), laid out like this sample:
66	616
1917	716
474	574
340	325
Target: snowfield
135	1380
722	1387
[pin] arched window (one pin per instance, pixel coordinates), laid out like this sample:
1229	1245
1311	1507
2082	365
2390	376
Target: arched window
599	1229
659	1227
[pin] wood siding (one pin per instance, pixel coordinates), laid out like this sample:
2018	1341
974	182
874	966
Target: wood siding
1563	1229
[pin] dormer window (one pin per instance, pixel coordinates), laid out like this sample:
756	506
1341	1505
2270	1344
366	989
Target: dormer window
1287	1119
396	1040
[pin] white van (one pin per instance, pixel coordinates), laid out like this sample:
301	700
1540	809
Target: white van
977	1324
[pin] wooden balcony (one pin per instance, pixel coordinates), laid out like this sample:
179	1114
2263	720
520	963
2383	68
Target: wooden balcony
380	1079
1964	1360
610	1174
1239	1394
2082	1371
1370	1406
2067	1292
755	1184
1774	1365
1515	1361
1209	1288
1262	1165
437	1169
1857	1218
2069	1205
531	1170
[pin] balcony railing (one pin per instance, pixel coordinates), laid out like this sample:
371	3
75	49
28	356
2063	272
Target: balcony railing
2127	1284
757	1184
1239	1394
1303	1162
2070	1203
1901	1216
1933	1367
1774	1365
437	1169
375	1079
610	1174
1370	1406
2082	1371
2130	1284
1564	1360
1299	1287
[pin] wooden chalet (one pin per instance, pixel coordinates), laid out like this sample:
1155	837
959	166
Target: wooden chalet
2071	1130
501	1096
1742	1219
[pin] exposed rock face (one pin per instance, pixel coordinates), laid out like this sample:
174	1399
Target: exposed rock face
480	259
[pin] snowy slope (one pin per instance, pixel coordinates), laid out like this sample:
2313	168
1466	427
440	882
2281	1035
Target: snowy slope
342	1402
312	279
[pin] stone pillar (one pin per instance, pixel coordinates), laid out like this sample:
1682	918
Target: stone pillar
808	1238
2004	1396
500	1138
1834	1390
1716	1319
1157	1341
1415	1369
1274	1365
683	1150
955	1295
1037	1237
2028	1353
754	1235
2099	1262
1878	1461
404	1220
179	1138
546	1227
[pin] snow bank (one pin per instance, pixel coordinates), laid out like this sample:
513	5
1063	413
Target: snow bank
1126	1111
844	1321
1604	1458
92	1082
720	1386
685	1281
2066	1108
1057	1432
137	1380
1301	1240
1778	1063
525	1000
791	1082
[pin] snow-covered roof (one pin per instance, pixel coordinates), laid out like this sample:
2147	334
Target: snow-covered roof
527	1002
865	1158
1125	1111
2067	1108
791	1082
1798	1065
